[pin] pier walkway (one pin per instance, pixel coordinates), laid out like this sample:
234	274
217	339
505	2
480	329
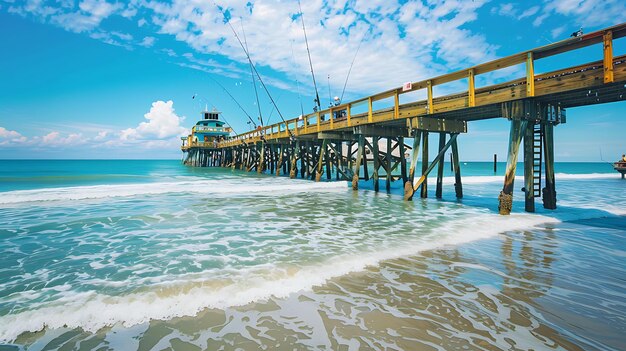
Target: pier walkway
345	141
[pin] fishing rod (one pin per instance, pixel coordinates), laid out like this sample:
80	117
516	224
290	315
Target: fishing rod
254	68
352	64
317	96
273	109
233	98
293	57
330	98
258	104
602	159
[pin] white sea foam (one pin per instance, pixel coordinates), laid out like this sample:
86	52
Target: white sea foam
500	178
242	186
92	311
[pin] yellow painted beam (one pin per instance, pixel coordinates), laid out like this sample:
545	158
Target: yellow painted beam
429	87
318	121
349	115
369	110
471	101
608	56
396	105
331	117
530	75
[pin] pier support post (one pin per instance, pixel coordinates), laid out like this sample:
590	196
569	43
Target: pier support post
338	157
402	150
424	192
294	160
304	150
549	192
529	192
505	199
389	166
375	155
408	185
320	162
439	189
261	164
281	150
357	162
458	186
327	160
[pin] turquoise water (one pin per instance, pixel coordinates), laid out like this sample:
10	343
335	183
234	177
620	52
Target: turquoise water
153	254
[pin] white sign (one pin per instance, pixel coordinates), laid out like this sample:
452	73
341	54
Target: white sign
407	86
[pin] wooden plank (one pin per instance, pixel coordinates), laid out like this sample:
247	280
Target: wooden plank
530	75
608	56
471	101
429	88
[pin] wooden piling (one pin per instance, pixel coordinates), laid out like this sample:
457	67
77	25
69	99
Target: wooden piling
424	191
505	199
439	189
408	185
389	161
357	162
549	192
376	158
529	193
495	163
458	186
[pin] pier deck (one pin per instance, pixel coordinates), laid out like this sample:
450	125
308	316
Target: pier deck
345	138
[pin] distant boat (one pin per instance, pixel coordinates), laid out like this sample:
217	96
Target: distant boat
620	166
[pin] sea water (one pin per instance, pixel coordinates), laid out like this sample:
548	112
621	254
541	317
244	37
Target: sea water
153	255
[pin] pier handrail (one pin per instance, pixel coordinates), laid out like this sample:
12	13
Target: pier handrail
327	119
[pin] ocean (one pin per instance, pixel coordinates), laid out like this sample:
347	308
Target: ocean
154	255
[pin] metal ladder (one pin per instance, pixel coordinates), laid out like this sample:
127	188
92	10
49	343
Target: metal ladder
538	131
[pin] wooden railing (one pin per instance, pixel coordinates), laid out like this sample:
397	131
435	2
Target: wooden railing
341	116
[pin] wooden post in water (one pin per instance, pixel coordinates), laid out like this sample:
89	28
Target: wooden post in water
375	155
549	192
458	186
408	185
365	169
303	159
327	160
402	149
424	192
389	167
338	157
357	162
261	165
439	189
529	193
505	199
495	163
320	162
294	160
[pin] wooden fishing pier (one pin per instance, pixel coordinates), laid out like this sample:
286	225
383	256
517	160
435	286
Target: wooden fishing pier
344	141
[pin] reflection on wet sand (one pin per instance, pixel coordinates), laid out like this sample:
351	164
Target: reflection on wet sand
554	288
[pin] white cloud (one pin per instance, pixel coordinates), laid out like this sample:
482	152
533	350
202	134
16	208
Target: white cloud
148	42
56	139
586	13
8	137
556	32
162	123
7	134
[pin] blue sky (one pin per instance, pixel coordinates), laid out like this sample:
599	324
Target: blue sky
106	79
